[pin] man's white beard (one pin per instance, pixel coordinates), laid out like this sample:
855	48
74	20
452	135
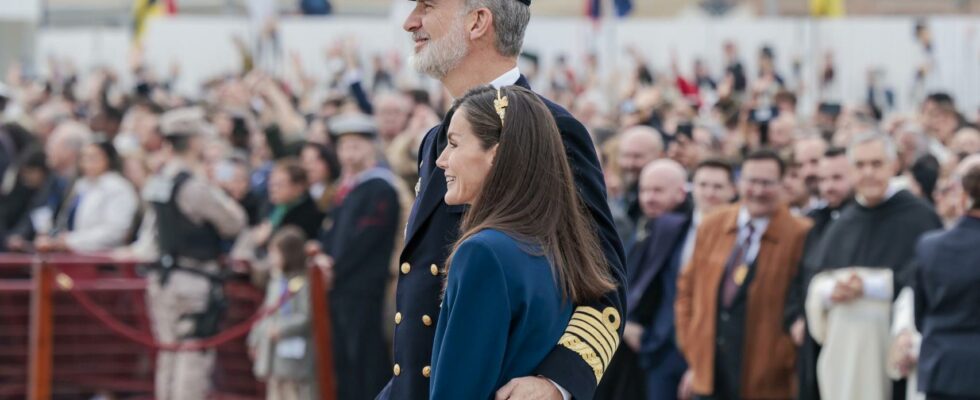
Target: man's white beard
438	57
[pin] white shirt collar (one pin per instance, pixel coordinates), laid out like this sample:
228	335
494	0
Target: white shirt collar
760	224
893	187
507	79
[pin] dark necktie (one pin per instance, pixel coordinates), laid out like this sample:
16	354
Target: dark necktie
73	211
738	258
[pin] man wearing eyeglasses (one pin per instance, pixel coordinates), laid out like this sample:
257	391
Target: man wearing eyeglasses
730	296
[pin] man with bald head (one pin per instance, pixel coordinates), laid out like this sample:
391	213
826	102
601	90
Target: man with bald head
652	266
662	188
62	150
638	146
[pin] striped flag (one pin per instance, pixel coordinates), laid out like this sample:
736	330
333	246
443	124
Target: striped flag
593	8
143	10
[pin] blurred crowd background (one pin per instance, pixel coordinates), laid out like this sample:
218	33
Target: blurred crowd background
702	83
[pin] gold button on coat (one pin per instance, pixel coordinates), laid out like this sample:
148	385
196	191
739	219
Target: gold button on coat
426	371
397	370
427	320
406	268
434	269
398	318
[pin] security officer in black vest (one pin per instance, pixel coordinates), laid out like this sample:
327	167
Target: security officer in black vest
577	362
190	217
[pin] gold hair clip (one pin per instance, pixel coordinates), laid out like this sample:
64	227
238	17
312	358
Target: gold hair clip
500	103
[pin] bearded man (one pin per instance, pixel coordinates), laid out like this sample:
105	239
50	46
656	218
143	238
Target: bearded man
466	44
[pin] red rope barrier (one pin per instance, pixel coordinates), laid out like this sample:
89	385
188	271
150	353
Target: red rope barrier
134	335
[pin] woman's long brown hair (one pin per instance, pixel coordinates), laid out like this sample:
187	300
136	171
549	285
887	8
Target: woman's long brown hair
529	191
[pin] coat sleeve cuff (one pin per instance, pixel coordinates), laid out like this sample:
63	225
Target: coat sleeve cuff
569	371
564	393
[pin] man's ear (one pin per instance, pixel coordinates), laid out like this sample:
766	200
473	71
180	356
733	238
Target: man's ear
479	23
895	166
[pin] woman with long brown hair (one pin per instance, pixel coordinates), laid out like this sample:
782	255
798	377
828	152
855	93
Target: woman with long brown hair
527	252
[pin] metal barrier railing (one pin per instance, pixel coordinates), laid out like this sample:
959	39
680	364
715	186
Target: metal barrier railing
65	349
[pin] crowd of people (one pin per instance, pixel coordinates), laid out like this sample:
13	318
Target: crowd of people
771	252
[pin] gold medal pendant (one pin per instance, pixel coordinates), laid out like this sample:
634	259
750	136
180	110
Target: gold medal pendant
740	273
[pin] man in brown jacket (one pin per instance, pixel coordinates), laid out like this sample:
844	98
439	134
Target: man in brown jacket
730	295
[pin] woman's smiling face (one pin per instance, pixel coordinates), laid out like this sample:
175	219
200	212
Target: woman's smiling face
465	161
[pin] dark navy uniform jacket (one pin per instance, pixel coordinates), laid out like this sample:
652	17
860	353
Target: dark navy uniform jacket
502	296
947	303
582	354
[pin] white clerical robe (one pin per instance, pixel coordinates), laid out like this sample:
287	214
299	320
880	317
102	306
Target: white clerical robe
855	338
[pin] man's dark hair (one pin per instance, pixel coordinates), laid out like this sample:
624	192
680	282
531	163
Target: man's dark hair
180	143
717	163
920	25
785	96
419	97
767	52
767	154
292	167
835	152
941	99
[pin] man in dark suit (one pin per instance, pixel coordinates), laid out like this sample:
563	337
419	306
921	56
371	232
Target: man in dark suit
465	46
946	300
654	265
361	242
650	366
50	205
836	192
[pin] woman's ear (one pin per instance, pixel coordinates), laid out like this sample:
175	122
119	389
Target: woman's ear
492	153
